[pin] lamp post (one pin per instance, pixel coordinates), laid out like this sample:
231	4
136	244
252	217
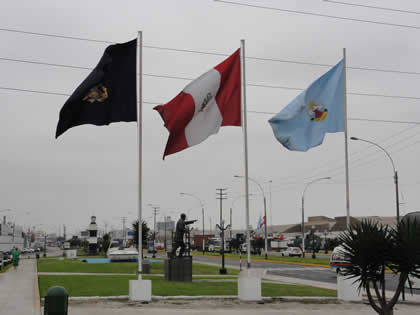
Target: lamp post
303	210
397	198
265	212
202	214
231	207
325	241
313	242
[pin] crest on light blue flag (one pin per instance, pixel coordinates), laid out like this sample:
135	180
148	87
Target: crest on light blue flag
303	123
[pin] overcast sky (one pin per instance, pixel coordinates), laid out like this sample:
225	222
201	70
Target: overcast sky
92	170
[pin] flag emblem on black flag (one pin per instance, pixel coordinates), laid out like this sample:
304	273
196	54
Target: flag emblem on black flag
107	95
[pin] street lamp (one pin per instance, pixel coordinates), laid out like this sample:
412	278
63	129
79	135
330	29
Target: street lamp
303	210
397	199
265	212
202	213
325	241
313	242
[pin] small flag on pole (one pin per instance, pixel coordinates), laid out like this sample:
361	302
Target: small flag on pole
261	224
206	104
319	109
107	95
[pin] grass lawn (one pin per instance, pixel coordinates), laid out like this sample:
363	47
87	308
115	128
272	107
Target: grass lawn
306	260
4	269
72	265
118	285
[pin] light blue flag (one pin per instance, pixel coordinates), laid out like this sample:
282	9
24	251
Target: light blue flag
259	224
319	109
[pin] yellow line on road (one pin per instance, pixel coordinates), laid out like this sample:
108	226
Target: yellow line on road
279	262
272	261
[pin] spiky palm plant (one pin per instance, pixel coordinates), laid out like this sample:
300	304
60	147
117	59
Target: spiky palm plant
370	248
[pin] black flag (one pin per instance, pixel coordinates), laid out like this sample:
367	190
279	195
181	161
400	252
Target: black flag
108	94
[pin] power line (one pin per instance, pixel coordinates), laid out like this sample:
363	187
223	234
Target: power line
321	169
249	111
56	36
319	15
379	154
216	54
371	7
190	79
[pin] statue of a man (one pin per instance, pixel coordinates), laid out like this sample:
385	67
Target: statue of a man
181	226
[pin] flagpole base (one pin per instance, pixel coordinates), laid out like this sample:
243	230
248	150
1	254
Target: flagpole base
249	286
140	290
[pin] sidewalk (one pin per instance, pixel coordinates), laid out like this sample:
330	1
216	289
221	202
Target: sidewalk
19	290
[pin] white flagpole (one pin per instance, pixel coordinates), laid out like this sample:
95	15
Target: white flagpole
346	144
245	131
139	142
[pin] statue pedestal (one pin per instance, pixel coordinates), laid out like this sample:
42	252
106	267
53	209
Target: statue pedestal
178	269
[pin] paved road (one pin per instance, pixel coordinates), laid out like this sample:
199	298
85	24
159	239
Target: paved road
319	274
51	251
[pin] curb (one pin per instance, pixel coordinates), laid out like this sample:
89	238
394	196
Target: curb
199	297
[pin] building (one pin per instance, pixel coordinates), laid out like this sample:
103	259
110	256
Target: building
168	225
11	235
323	224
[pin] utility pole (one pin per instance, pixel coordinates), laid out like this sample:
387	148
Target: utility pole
164	220
222	195
230	230
123	230
155	212
64	231
45	244
203	241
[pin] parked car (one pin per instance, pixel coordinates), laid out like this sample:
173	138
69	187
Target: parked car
292	252
6	258
337	260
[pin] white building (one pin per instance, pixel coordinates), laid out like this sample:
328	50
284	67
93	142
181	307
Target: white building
10	235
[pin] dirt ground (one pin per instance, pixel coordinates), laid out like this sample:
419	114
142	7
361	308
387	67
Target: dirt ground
229	307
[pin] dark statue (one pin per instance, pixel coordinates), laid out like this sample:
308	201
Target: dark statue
181	228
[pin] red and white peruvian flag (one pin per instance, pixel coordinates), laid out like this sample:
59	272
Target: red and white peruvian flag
207	103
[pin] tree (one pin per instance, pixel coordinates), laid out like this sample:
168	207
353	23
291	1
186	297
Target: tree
145	233
370	248
330	244
106	240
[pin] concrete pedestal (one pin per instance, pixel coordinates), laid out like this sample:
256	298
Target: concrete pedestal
140	290
178	269
347	290
249	285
